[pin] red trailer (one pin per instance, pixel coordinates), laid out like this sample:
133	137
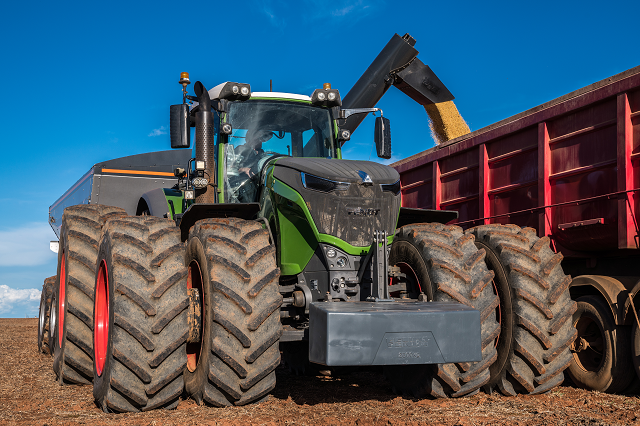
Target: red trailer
570	168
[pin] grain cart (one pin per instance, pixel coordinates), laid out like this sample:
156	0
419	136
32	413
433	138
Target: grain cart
567	171
267	241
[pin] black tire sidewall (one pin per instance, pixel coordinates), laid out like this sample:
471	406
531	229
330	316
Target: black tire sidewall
506	339
592	307
403	250
42	318
195	381
58	349
101	384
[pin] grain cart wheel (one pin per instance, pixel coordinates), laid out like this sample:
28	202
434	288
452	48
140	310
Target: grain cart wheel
73	290
535	309
233	350
601	358
443	258
140	315
43	314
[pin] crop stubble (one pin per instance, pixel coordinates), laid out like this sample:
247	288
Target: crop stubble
29	395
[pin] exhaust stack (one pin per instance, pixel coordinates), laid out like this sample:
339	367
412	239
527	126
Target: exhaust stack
204	143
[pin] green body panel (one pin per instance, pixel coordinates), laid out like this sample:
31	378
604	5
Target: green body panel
177	199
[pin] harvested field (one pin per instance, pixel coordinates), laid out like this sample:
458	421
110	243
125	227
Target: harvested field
29	395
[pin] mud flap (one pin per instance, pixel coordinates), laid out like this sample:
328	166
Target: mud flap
393	333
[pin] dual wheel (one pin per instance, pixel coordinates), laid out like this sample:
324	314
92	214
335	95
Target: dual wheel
165	320
516	282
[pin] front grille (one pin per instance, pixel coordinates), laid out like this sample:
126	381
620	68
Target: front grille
353	215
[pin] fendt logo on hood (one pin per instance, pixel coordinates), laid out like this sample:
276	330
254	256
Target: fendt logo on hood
366	179
359	211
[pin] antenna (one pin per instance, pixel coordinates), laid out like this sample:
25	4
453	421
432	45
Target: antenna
270	85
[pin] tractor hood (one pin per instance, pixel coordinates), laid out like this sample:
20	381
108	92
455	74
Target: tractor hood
342	170
355	211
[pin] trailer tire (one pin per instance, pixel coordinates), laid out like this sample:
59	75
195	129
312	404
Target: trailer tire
140	316
608	370
535	309
234	360
446	259
72	343
44	313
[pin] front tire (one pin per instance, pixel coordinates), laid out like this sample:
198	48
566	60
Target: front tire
140	317
234	361
447	264
535	309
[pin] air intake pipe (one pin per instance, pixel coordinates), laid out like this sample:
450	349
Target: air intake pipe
204	143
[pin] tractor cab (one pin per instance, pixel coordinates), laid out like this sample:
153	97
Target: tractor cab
265	128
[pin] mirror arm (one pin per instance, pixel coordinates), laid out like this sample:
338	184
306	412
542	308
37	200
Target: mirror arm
347	112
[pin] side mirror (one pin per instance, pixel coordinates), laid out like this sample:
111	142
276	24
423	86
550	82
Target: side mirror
179	126
382	137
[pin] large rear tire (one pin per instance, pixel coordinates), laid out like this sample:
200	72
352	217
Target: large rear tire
232	266
535	309
73	291
44	313
443	258
140	315
601	358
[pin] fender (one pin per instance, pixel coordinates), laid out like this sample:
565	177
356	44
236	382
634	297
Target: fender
611	289
160	202
196	212
409	216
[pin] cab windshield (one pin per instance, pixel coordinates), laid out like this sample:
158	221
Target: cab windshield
295	129
267	129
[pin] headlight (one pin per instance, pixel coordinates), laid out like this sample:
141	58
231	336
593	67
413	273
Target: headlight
321	184
235	90
244	90
331	96
341	262
321	96
331	253
326	97
199	182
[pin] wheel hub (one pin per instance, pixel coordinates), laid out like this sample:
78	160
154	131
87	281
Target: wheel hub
101	318
196	315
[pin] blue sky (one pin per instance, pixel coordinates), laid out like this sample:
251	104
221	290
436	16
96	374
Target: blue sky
89	81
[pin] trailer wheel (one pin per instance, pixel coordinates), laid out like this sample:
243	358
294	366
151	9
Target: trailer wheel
601	352
535	309
73	290
43	315
232	358
140	316
443	258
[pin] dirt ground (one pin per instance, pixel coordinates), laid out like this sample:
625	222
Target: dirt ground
29	395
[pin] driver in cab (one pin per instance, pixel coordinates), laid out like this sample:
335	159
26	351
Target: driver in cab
252	151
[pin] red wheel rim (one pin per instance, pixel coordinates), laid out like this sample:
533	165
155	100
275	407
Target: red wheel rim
101	318
194	350
63	280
